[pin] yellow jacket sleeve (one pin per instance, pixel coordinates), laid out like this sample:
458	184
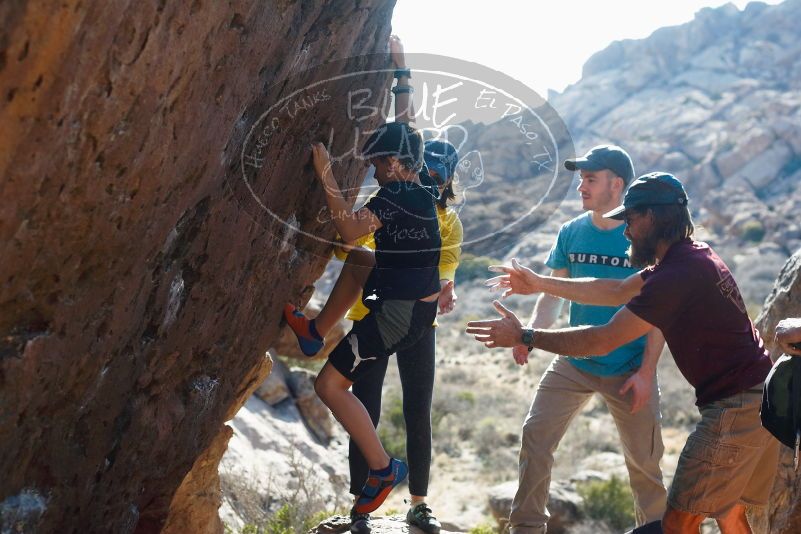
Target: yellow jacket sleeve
364	241
450	229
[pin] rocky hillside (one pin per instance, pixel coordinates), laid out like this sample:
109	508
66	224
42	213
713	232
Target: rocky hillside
716	101
149	241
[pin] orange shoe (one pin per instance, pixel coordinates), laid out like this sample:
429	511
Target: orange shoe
377	488
309	340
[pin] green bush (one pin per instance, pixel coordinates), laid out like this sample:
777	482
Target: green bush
474	267
484	528
753	230
392	428
288	519
608	501
486	437
282	521
267	511
467	396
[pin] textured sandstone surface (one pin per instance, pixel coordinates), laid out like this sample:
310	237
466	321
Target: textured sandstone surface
784	301
139	285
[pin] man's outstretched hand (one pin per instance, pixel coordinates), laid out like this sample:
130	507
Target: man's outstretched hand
504	332
516	280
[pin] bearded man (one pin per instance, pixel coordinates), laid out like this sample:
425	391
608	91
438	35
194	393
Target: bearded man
688	292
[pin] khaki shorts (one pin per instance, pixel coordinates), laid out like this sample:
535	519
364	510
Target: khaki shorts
728	459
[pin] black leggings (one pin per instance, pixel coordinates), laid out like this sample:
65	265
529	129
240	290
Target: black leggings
416	368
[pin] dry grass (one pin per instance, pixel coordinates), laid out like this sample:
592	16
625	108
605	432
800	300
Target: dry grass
275	506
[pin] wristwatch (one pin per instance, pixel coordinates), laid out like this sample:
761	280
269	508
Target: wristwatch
528	338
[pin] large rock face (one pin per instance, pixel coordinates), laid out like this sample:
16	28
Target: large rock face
784	301
138	292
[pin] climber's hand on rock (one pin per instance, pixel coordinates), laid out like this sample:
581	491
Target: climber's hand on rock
322	162
396	51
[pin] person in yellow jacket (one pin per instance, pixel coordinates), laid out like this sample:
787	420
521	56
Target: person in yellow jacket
416	363
416	367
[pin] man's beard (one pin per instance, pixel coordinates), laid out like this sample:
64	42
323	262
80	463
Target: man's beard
642	252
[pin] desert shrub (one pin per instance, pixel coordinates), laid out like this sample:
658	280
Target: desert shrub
452	414
275	507
753	230
289	519
247	529
447	437
283	521
484	528
473	267
392	428
466	396
251	501
609	501
448	402
486	437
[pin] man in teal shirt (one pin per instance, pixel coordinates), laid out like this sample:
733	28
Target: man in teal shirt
591	246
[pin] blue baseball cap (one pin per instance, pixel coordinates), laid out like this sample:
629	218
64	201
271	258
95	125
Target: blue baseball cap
601	157
652	189
442	157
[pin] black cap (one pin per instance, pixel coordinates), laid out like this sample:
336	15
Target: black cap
652	189
601	157
396	139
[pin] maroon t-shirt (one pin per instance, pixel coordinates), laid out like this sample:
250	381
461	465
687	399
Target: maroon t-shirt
693	299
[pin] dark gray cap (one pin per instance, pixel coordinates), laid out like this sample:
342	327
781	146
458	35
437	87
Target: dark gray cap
601	157
652	189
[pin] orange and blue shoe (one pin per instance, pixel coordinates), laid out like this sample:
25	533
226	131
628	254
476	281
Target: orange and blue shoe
310	341
379	484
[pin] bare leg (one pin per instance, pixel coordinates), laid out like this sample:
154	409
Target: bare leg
347	289
332	388
735	521
678	522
